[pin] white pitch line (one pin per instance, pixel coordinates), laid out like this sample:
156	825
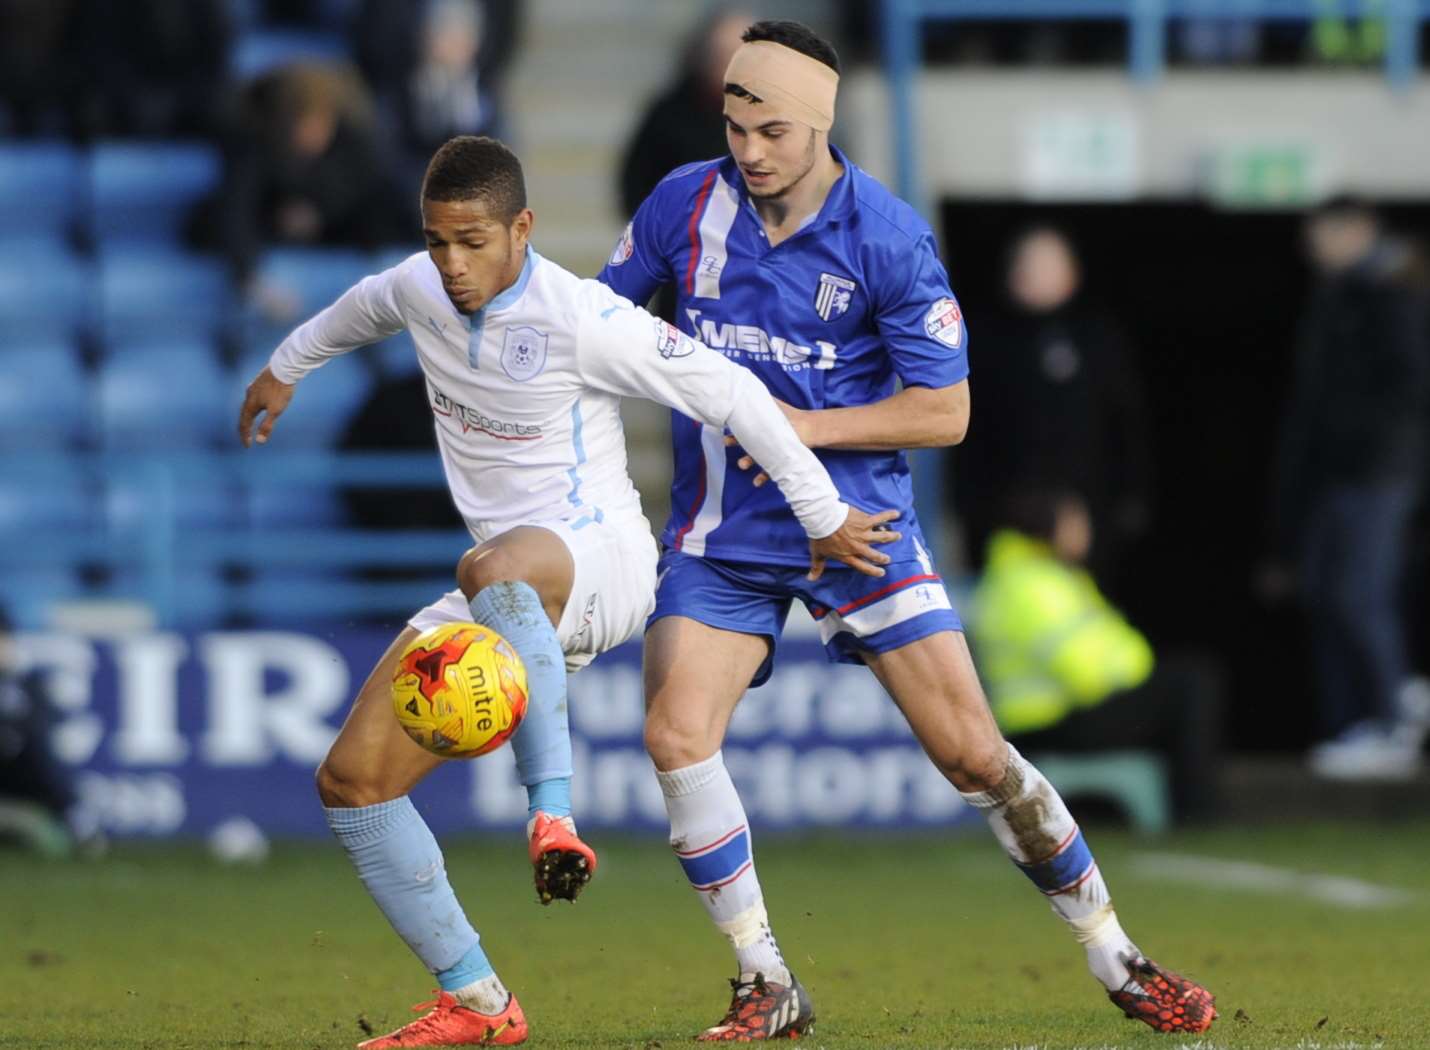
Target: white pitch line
1264	878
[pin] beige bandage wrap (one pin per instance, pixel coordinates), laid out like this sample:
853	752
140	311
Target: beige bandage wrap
792	84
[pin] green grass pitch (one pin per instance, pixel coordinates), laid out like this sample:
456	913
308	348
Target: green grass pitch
902	942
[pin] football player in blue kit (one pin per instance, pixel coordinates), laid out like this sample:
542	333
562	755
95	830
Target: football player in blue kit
797	265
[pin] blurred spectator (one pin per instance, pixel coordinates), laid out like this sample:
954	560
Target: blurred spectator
1058	398
1352	454
88	69
1066	672
1337	40
304	14
302	166
686	121
39	85
1207	39
155	68
37	797
437	69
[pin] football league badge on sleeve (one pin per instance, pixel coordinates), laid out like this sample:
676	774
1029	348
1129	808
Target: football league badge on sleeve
625	247
523	353
831	298
944	322
671	341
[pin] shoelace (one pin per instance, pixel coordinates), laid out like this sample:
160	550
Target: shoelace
743	990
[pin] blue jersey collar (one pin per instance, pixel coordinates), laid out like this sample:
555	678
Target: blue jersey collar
838	206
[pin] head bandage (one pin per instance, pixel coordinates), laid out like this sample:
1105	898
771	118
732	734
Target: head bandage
800	87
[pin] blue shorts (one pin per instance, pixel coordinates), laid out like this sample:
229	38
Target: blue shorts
855	613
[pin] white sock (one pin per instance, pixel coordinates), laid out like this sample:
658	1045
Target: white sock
711	839
487	996
1030	820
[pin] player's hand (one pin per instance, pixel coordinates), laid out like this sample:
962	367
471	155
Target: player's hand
852	544
800	420
266	394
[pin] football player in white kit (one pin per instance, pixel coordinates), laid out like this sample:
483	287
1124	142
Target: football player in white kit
525	366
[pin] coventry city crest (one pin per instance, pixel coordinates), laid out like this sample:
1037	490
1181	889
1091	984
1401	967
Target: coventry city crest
523	353
831	298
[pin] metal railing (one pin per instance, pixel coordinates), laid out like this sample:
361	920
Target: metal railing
159	552
1147	22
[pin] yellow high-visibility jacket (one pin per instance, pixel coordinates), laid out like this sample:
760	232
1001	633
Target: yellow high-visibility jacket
1046	640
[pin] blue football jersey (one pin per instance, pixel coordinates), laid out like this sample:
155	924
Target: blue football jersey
831	317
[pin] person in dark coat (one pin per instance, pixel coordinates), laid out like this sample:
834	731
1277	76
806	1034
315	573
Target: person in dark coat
686	121
303	166
1347	480
1062	402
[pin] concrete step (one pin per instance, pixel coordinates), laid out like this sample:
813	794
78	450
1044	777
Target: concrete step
1274	790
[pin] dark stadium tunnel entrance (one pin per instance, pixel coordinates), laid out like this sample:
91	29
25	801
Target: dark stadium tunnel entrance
1210	299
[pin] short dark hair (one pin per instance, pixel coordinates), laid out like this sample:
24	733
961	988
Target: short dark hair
795	35
1344	206
474	167
1031	506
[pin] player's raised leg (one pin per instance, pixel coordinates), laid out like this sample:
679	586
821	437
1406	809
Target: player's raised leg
363	782
518	584
695	675
934	683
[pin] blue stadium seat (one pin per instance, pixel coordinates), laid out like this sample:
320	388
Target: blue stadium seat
145	191
323	405
198	597
40	188
314	277
28	595
151	291
259	51
132	498
57	498
283	596
172	397
281	505
46	399
43	286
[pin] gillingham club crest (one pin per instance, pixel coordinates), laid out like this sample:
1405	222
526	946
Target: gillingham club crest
831	298
523	353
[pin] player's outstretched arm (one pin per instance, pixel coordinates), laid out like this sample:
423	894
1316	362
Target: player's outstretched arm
269	395
627	351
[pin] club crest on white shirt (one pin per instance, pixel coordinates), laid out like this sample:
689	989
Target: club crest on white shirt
831	298
523	353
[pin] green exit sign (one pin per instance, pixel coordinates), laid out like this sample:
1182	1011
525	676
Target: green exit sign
1264	176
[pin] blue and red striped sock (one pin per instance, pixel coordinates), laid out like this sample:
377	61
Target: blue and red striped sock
1032	823
711	840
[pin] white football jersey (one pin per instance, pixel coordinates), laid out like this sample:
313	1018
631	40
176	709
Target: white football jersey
526	393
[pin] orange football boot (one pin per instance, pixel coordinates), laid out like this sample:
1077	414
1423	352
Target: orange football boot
761	1009
449	1023
1165	1000
563	863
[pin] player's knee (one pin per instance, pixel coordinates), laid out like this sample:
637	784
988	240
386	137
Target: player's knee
479	569
340	789
673	743
977	766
